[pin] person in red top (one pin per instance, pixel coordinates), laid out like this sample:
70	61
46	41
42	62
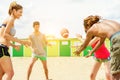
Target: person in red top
103	28
102	55
100	51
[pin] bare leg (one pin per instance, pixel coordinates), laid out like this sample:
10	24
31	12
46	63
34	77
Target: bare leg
7	67
107	71
95	70
1	72
45	68
30	67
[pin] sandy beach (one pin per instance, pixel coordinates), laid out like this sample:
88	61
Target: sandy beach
60	68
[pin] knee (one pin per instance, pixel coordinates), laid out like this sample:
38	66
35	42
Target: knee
92	76
30	66
10	74
1	74
46	69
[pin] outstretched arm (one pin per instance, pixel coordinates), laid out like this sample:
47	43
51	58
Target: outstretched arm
17	47
11	38
85	43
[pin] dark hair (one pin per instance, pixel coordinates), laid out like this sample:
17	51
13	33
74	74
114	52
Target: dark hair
90	20
36	23
15	6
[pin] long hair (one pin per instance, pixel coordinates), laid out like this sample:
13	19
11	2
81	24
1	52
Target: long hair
15	6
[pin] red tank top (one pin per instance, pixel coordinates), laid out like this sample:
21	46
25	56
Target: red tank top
102	51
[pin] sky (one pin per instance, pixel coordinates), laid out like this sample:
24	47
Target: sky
57	14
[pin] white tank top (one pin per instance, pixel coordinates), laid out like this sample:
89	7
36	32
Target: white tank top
38	44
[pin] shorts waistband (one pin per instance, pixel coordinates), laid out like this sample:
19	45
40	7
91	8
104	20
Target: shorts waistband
114	35
2	45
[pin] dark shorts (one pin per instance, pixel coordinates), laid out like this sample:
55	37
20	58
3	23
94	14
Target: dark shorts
4	51
115	53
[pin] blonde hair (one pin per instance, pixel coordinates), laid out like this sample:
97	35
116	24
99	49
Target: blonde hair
15	6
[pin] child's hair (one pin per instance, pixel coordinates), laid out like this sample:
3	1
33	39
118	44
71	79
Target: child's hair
36	23
90	20
15	6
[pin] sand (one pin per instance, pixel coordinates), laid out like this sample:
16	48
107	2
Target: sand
60	68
